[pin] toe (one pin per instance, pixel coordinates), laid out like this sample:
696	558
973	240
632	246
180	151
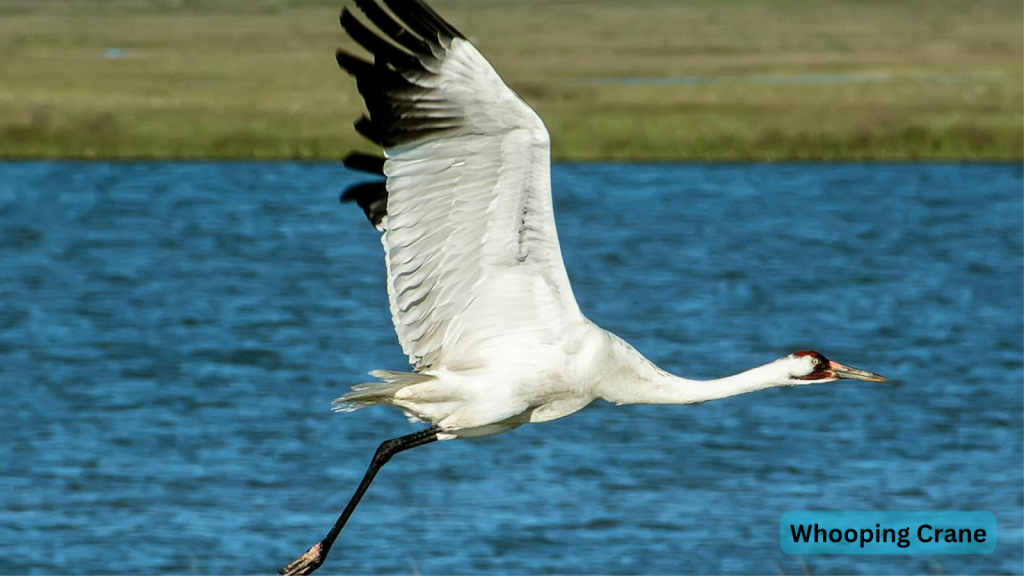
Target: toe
305	564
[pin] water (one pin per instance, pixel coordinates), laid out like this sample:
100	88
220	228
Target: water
171	336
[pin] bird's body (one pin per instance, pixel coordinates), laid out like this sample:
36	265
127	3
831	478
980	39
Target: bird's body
478	291
566	371
518	377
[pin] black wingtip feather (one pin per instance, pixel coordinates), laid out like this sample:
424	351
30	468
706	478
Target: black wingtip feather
391	84
389	26
364	163
437	20
367	130
353	64
372	197
382	50
423	20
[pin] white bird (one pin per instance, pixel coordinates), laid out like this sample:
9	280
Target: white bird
478	291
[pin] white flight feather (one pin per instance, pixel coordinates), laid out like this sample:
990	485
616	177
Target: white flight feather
472	253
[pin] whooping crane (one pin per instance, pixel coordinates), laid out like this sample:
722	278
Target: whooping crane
478	291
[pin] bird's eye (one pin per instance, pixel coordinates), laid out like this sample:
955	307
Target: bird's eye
814	361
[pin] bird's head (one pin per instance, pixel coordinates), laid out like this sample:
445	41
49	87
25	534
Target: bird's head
810	367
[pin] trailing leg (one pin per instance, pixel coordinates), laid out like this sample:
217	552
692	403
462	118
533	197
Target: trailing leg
316	555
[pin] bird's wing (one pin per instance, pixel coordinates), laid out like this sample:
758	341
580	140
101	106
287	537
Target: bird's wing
471	248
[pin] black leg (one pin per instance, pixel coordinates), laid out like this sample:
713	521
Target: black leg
316	555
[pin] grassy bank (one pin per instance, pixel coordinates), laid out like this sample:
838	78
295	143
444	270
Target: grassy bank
643	79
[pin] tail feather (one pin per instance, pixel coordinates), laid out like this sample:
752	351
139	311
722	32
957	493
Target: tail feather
370	393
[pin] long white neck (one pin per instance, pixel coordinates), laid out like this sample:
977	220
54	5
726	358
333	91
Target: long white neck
641	382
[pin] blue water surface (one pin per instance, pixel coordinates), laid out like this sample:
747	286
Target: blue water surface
171	336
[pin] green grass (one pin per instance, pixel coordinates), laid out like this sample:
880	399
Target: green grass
230	79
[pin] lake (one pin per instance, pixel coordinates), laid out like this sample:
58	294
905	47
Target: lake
172	335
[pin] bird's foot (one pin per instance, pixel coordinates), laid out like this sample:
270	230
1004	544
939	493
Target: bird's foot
305	564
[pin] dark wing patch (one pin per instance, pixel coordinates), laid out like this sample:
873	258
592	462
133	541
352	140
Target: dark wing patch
398	85
372	197
364	163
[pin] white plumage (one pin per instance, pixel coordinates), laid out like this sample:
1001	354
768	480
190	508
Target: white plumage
478	291
479	295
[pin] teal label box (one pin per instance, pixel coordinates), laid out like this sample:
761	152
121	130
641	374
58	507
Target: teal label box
887	532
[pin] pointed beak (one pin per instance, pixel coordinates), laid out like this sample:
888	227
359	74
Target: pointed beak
847	372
